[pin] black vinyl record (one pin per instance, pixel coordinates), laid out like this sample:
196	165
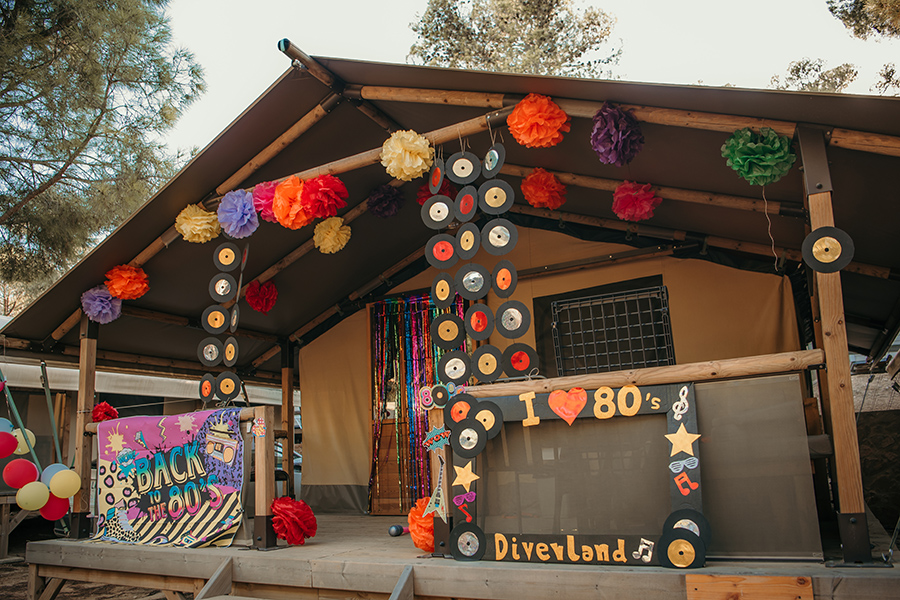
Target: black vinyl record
468	241
490	416
443	293
681	549
215	319
235	318
513	319
440	396
499	236
465	204
504	279
463	168
519	359
472	281
448	332
487	363
440	251
210	351
228	386
692	520
468	438
495	197
828	250
207	387
454	367
467	542
436	177
226	257
244	254
493	160
458	409
479	322
437	212
231	351
222	287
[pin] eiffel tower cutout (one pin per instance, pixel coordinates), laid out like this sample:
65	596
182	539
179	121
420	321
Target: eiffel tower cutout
436	504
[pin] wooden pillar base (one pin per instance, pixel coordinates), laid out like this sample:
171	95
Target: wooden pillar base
264	537
855	545
80	527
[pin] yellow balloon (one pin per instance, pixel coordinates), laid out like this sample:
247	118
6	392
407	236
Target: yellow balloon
32	496
65	483
22	448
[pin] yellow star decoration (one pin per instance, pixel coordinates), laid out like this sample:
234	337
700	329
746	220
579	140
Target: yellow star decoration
465	476
682	441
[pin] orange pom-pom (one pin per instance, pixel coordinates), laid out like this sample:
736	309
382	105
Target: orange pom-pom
127	283
293	520
537	122
287	206
421	528
543	190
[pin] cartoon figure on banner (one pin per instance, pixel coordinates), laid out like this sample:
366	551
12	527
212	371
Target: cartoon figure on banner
125	461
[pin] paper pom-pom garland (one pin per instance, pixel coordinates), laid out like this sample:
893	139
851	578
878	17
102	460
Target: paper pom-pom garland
543	190
197	225
237	214
385	201
99	305
331	235
287	206
537	122
263	194
760	158
616	136
126	282
103	412
321	197
293	520
421	528
634	202
406	155
261	296
446	189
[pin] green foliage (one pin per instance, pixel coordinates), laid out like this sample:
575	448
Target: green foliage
808	75
540	37
868	17
86	89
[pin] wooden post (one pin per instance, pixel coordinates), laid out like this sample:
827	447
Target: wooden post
87	369
287	415
264	449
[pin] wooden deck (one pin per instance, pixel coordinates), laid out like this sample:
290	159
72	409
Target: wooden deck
353	557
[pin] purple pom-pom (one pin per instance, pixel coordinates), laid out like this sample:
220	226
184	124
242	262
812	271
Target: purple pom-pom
616	136
99	305
385	201
237	215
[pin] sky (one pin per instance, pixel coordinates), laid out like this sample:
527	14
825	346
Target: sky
691	42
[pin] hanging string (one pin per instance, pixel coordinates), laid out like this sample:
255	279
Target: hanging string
769	221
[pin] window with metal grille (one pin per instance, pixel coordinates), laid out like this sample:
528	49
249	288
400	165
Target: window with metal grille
611	332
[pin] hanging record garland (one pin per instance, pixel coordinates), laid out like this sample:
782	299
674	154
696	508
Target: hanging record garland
436	177
472	281
519	360
499	237
513	319
493	161
468	241
230	353
465	204
226	257
215	319
455	367
495	197
440	252
448	331
487	363
222	287
437	212
504	279
210	351
463	168
443	291
479	322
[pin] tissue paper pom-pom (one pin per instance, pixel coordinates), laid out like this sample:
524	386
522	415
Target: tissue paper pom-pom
331	235
634	202
99	305
263	194
424	193
406	155
126	282
537	122
321	197
293	520
760	158
543	190
385	201
261	296
197	225
237	215
103	412
286	204
616	136
421	528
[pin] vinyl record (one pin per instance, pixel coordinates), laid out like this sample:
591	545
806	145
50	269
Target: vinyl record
499	236
222	287
207	387
210	351
468	241
443	293
463	168
454	367
495	197
472	281
226	257
440	396
231	351
467	542
458	409
244	254
440	251
490	416
436	177
479	322
468	438
493	160
504	279
513	319
448	332
519	359
691	520
215	319
487	363
235	318
466	203
228	386
437	212
828	250
681	549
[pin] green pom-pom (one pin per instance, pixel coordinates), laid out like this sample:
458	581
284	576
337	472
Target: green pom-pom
760	158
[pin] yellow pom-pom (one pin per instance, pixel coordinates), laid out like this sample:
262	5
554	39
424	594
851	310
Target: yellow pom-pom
406	155
197	225
331	235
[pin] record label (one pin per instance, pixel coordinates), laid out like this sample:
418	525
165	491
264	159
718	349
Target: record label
442	290
504	279
499	236
468	240
440	251
479	322
466	202
463	168
487	363
448	332
454	367
472	281
519	359
226	257
214	319
457	409
495	197
681	549
513	319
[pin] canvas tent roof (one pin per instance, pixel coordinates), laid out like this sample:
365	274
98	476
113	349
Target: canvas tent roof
682	157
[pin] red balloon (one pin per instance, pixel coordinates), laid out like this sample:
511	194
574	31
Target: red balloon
20	472
8	444
55	509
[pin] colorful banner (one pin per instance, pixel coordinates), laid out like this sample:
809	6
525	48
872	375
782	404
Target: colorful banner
170	481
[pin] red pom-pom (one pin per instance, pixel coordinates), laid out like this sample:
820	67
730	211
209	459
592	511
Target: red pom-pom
293	520
634	202
103	412
261	296
127	282
447	189
421	528
543	190
323	196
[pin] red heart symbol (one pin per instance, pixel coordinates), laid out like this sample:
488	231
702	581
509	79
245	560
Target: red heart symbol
568	405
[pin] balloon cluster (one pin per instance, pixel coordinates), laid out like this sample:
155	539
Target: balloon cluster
48	491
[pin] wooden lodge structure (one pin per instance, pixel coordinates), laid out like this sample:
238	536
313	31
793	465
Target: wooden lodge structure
764	339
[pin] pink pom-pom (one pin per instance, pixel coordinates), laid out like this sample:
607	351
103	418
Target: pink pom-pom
634	202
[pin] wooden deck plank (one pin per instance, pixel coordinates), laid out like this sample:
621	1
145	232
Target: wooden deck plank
725	587
220	582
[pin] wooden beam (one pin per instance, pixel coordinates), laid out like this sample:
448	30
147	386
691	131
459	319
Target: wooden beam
404	588
748	587
264	453
220	582
136	579
52	589
87	369
170	319
597	261
287	416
